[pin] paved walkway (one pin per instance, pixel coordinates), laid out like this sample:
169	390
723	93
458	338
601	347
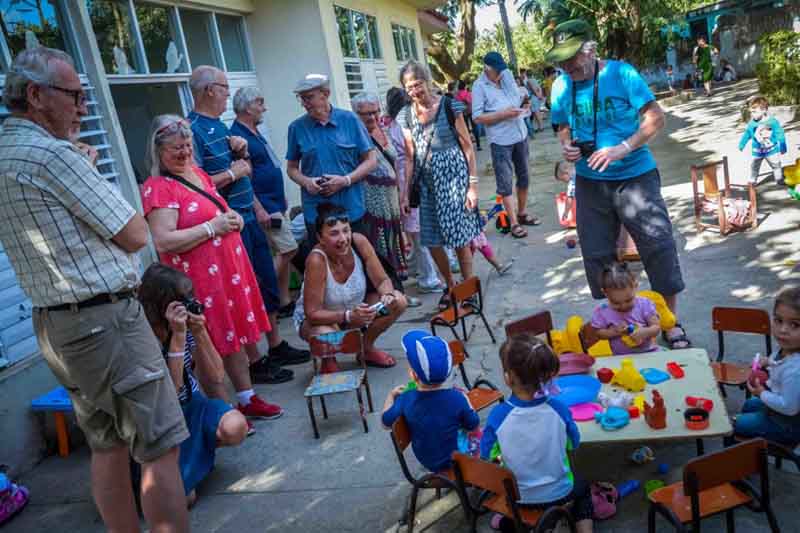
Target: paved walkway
282	479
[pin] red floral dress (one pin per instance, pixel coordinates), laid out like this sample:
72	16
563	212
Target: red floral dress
219	268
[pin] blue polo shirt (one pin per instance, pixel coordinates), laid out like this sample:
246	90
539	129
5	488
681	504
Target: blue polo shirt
622	93
267	174
333	148
213	154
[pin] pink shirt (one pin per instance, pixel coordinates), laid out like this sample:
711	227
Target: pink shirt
640	314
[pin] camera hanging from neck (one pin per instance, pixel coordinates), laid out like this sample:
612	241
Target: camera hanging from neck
595	101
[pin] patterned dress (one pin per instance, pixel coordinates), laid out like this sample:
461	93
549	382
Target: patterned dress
444	219
382	217
220	271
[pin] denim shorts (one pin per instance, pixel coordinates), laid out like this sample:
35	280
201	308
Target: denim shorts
508	160
602	206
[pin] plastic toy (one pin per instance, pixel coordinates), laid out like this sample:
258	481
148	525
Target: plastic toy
667	317
571	243
580	388
502	224
634	411
628	487
656	415
793	193
582	412
696	419
628	377
642	455
651	485
675	370
791	174
638	402
561	204
654	376
620	399
605	375
758	376
627	339
702	403
663	468
613	418
569	340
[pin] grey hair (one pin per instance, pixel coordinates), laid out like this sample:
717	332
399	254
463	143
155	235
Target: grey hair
589	48
30	66
244	97
202	78
157	139
417	70
365	98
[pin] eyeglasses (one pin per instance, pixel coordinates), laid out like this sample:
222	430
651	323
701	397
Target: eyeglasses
377	112
306	97
77	94
332	220
223	85
172	127
415	85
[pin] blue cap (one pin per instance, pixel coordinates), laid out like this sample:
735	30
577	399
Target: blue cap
428	356
496	61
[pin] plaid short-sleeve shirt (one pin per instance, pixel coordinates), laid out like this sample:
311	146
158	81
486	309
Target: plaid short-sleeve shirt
57	218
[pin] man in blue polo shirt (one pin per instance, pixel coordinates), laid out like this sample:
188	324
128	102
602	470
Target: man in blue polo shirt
223	157
329	153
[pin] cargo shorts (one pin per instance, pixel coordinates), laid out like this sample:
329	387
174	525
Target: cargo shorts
110	363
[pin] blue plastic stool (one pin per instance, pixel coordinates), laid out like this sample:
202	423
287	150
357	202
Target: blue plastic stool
58	402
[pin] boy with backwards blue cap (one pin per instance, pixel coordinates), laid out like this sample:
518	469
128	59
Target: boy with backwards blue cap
434	413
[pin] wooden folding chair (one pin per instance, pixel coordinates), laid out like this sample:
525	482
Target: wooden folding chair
713	484
479	397
501	495
401	439
350	342
712	194
737	320
466	299
540	323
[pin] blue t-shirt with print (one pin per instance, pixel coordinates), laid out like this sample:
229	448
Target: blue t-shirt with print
332	148
213	154
267	174
766	137
622	93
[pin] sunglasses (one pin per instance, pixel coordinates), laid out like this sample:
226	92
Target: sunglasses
332	220
172	127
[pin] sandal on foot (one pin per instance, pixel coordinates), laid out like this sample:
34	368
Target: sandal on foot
379	359
528	220
444	302
518	232
502	269
677	339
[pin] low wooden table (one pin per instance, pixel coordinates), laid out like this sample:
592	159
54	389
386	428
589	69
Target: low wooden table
698	381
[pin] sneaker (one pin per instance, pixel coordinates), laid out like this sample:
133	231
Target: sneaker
258	408
267	372
455	268
428	289
413	301
283	355
251	429
13	498
286	311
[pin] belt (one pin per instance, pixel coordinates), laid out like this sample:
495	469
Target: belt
100	299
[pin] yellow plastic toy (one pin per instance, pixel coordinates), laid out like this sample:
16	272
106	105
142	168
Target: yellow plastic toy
627	339
638	401
791	174
668	319
628	377
569	340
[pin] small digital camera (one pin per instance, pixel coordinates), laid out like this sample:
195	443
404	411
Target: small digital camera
194	306
380	308
587	148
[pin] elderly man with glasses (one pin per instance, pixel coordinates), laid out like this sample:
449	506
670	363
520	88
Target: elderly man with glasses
224	157
329	154
71	237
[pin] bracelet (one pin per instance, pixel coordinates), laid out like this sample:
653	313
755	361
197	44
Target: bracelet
209	230
349	180
346	316
628	146
175	355
473	180
231	174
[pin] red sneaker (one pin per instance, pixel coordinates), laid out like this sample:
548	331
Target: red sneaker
258	408
251	430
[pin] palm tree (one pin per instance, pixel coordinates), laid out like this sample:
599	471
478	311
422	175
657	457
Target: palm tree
512	57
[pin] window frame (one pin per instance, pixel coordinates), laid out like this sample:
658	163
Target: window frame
67	34
407	40
372	54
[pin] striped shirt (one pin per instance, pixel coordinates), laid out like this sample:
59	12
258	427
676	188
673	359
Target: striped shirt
57	218
188	365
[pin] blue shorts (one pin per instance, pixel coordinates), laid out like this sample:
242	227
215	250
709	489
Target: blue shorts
257	246
202	416
507	161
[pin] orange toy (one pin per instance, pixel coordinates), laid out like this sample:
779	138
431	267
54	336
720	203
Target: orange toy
656	416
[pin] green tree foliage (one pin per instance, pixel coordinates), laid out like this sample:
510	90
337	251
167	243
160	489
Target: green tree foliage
529	44
451	52
779	69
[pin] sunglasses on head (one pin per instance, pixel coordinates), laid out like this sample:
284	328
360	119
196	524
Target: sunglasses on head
332	220
172	127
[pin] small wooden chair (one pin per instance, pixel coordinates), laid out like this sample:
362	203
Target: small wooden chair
479	397
712	193
777	450
329	345
540	323
588	336
713	484
466	299
401	439
738	320
501	495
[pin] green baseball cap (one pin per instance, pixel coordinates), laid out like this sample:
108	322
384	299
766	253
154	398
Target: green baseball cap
568	37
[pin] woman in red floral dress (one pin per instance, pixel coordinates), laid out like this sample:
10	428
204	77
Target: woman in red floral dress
196	232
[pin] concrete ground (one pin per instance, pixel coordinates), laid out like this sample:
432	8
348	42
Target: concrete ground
282	479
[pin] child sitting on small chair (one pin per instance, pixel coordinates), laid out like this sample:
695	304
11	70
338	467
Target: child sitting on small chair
534	434
767	140
774	411
565	172
434	413
629	322
481	244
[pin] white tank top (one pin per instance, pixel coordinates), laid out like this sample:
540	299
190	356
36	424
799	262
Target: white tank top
338	296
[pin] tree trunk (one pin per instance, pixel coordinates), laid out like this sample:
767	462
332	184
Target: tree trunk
453	67
512	57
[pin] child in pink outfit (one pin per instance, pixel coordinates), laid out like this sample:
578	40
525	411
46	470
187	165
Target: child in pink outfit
481	243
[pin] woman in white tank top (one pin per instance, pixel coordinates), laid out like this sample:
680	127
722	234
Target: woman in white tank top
343	280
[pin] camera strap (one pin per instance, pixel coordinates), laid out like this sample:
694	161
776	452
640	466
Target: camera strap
595	101
183	181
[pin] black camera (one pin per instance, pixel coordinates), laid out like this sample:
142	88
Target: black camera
587	148
193	306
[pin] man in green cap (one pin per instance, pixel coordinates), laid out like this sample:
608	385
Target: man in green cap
606	115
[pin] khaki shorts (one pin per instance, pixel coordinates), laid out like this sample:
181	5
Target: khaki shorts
110	362
281	240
